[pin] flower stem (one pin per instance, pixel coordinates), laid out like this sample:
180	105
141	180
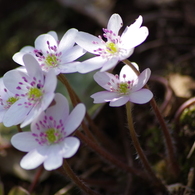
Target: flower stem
75	100
36	179
109	157
65	82
173	164
19	128
76	179
139	150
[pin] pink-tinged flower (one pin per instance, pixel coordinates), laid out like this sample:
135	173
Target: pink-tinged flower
34	90
123	88
49	141
54	54
7	98
116	48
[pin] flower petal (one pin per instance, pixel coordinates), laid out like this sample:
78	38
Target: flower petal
35	125
104	96
16	113
142	79
50	81
111	63
141	97
54	159
68	40
24	141
91	64
54	35
41	42
11	79
34	158
17	57
133	35
102	78
68	67
115	23
72	54
119	101
74	119
71	145
127	74
89	42
60	109
34	113
32	67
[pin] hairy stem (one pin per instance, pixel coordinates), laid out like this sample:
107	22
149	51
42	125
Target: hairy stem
75	100
139	150
173	164
76	179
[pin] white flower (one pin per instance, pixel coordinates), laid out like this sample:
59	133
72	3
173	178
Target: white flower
54	54
116	48
34	90
49	142
7	98
123	88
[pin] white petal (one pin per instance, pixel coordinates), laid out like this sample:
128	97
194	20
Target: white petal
138	22
72	54
104	96
41	42
16	113
2	113
142	79
54	35
134	35
102	78
34	158
11	81
89	42
61	108
126	54
119	101
127	74
17	57
68	67
68	40
33	125
71	145
111	63
50	81
91	64
54	159
34	113
32	67
24	141
75	118
115	23
141	97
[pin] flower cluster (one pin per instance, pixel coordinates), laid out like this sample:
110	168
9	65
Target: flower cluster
27	93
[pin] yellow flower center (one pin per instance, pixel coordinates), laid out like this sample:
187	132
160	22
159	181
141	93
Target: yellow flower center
12	100
111	48
35	93
123	88
51	60
51	137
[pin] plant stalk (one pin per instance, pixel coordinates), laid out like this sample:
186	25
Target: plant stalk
76	180
139	150
173	164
